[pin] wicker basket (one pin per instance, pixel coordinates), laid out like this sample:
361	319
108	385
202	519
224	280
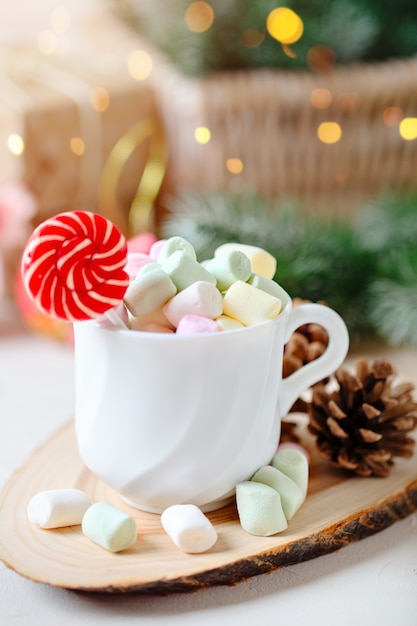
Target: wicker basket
265	118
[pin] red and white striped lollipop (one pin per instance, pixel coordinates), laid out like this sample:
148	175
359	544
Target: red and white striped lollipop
72	266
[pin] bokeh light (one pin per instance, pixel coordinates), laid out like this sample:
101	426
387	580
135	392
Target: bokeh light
320	58
408	128
252	38
329	132
15	144
321	98
348	101
99	99
284	25
139	64
77	145
202	135
199	16
47	42
392	116
234	166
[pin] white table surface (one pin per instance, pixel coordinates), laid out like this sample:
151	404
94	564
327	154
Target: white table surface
371	582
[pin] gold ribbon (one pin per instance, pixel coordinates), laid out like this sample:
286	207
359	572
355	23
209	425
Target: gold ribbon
139	217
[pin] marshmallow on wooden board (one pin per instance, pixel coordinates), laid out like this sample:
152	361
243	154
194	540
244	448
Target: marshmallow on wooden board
184	270
149	291
196	325
294	464
291	494
109	527
200	298
175	244
229	267
189	528
260	509
262	262
249	305
56	508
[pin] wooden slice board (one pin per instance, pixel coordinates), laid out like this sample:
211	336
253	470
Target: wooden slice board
337	511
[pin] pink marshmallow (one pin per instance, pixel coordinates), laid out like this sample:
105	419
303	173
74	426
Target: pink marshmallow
196	324
156	248
141	243
199	298
135	262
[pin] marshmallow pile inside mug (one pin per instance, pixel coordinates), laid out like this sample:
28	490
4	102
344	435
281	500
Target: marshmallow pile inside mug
171	292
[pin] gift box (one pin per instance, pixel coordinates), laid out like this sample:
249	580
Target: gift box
61	118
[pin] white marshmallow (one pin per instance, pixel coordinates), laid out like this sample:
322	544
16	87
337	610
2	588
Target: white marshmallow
200	298
260	509
56	508
189	528
109	527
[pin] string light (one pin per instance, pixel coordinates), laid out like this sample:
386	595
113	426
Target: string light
199	16
77	145
234	166
202	135
284	25
329	132
139	64
392	116
16	144
408	128
321	98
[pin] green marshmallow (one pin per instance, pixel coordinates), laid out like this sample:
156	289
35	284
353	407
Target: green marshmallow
176	244
109	527
291	495
294	464
260	509
184	271
229	267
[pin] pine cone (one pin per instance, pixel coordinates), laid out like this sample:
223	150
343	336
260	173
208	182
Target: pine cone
307	343
363	425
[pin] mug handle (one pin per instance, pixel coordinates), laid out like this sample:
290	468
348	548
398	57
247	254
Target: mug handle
324	365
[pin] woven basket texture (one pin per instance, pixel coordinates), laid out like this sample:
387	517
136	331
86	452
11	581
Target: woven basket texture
266	119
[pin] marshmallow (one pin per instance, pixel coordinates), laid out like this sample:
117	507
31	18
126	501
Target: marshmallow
141	242
189	528
259	508
228	323
135	262
262	262
183	270
200	298
229	267
176	244
156	248
291	494
149	291
109	527
266	284
196	324
149	267
57	508
144	321
294	464
250	305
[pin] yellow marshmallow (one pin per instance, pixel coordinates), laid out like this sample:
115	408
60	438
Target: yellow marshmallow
228	323
249	305
262	262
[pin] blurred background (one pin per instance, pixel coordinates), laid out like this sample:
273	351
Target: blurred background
290	125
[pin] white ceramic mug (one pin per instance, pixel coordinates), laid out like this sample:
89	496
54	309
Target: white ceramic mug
167	419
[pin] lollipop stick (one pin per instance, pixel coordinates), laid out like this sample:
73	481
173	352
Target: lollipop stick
115	319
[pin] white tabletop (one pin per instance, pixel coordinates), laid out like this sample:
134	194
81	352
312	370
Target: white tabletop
372	582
